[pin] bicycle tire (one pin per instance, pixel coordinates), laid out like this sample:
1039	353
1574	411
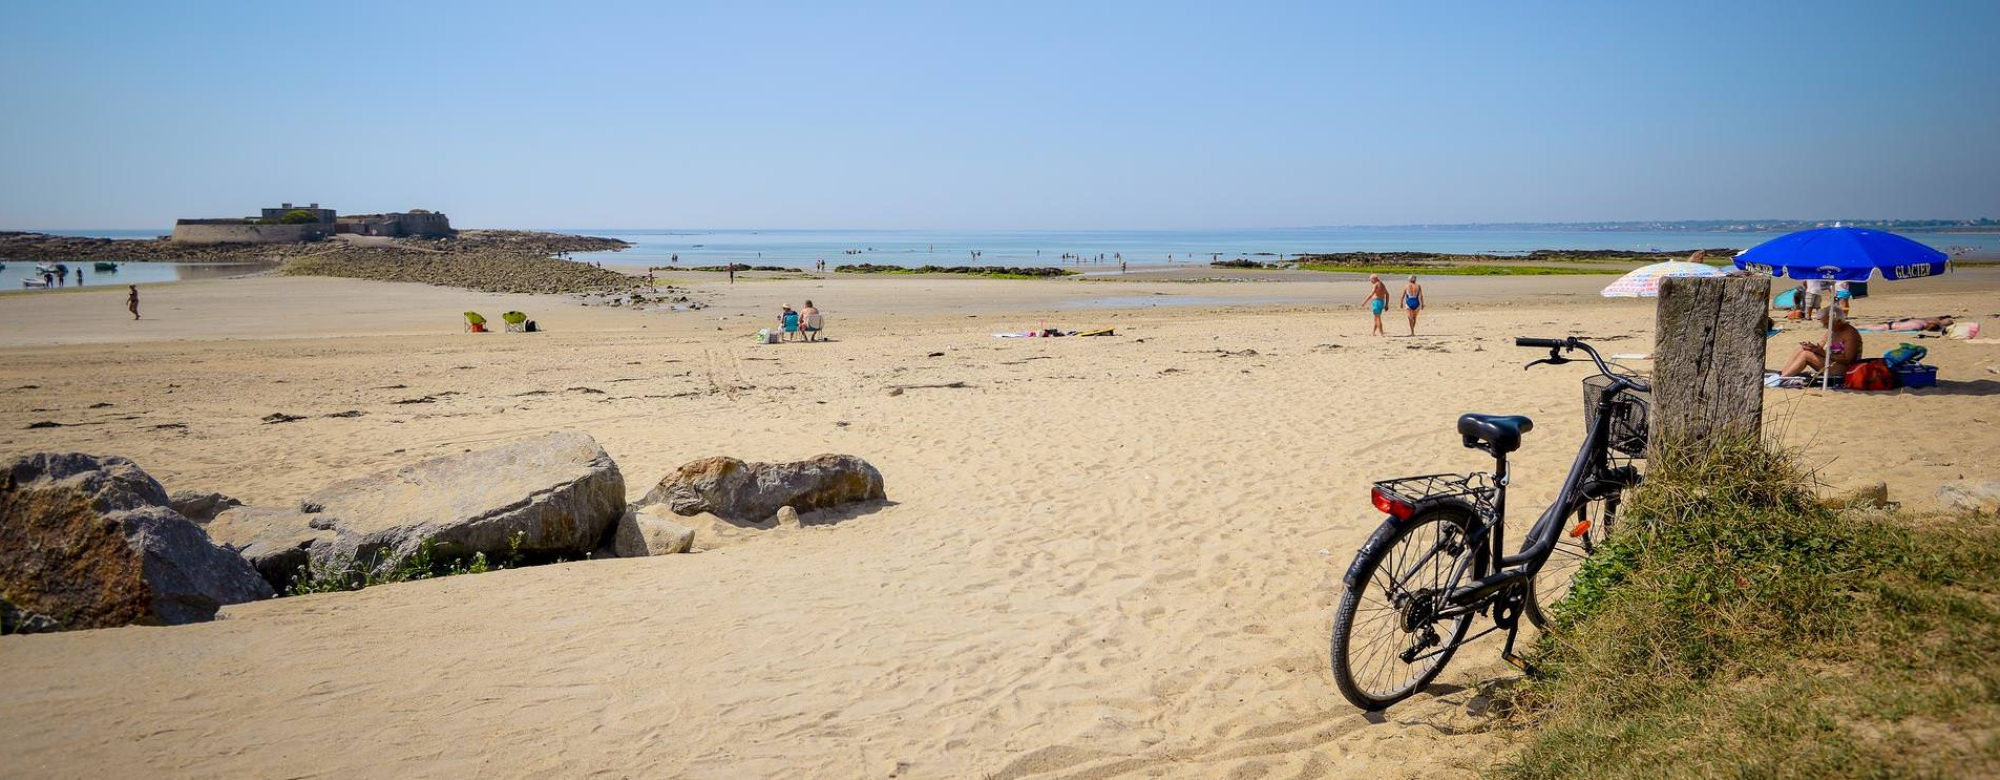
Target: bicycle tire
1558	574
1389	545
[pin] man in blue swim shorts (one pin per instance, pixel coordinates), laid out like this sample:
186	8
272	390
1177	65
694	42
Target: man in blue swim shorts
1377	301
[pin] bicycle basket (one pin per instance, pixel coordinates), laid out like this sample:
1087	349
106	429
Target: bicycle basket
1629	411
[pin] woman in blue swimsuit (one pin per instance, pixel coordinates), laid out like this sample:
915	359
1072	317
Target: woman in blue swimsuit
1413	299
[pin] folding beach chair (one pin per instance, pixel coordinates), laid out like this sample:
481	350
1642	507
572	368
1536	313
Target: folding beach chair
474	323
516	322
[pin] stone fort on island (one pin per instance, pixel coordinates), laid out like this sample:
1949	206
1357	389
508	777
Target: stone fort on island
289	224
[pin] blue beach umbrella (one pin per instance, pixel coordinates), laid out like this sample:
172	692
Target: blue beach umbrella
1845	254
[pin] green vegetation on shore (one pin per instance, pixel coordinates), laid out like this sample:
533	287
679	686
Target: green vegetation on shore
1735	626
1468	269
987	271
345	574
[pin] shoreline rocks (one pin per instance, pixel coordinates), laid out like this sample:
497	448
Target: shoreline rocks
91	542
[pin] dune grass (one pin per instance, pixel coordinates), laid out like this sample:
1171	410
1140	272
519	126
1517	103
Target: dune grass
1735	627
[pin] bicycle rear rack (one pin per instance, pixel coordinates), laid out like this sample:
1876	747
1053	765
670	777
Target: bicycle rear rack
1476	487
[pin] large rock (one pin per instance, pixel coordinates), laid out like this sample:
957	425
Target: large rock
651	530
559	494
1978	495
753	492
90	542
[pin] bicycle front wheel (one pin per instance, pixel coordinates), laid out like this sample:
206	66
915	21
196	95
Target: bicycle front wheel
1582	535
1388	642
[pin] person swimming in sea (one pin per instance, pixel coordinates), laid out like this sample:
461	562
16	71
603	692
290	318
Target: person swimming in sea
1413	299
1377	301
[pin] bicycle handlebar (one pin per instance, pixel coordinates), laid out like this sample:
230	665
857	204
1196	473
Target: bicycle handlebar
1573	343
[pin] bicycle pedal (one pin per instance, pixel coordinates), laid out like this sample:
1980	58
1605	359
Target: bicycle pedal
1518	663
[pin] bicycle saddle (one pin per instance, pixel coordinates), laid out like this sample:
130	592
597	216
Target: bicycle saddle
1495	433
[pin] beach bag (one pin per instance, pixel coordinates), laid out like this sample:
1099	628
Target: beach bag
531	328
1907	353
1869	374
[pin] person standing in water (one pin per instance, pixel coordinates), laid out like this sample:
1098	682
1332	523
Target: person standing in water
132	300
1413	299
1377	300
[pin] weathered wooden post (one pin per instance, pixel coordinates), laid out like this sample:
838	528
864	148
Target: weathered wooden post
1708	359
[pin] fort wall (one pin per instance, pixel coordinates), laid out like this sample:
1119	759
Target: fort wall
236	231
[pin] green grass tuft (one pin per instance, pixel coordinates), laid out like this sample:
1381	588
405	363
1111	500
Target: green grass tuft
1735	626
344	573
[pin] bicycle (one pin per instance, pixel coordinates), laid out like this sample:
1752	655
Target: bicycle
1439	558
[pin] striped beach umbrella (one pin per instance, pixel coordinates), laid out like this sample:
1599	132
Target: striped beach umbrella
1644	282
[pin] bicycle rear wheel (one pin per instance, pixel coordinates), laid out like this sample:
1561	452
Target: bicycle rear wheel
1387	642
1582	535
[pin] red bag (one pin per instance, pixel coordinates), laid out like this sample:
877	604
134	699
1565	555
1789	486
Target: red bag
1870	374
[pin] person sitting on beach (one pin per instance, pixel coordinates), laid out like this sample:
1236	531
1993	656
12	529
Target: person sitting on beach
1842	348
1377	300
1413	299
789	321
812	321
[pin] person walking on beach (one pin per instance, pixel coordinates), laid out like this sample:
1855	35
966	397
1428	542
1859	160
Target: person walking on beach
811	321
732	272
132	300
1377	301
1413	299
79	276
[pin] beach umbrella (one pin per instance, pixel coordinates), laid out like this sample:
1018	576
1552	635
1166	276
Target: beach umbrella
1845	254
1644	282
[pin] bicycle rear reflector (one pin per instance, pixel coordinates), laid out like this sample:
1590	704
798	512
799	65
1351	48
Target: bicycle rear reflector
1580	529
1392	505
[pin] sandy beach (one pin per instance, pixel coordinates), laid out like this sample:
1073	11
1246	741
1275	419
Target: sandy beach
1101	557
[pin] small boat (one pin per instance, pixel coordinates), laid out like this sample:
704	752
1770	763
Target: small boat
35	284
44	268
104	267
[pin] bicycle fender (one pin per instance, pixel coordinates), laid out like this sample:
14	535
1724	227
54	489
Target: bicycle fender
1376	541
1386	532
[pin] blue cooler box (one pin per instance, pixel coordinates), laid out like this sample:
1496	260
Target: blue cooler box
1917	375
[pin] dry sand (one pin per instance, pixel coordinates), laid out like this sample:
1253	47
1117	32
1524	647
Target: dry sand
1103	557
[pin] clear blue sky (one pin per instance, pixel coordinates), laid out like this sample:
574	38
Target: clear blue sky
999	115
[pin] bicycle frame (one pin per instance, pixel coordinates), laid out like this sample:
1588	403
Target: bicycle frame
1493	570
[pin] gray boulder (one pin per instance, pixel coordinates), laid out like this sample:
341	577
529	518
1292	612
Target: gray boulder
753	492
1978	495
652	530
559	494
90	542
199	506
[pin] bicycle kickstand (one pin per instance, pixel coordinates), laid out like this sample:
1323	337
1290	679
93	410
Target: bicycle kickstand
1507	654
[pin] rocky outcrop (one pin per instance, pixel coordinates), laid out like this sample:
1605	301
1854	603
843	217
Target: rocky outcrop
90	542
1978	495
198	506
558	494
753	492
652	530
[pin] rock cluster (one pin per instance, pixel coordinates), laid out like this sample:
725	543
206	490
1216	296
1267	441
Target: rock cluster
489	270
90	542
